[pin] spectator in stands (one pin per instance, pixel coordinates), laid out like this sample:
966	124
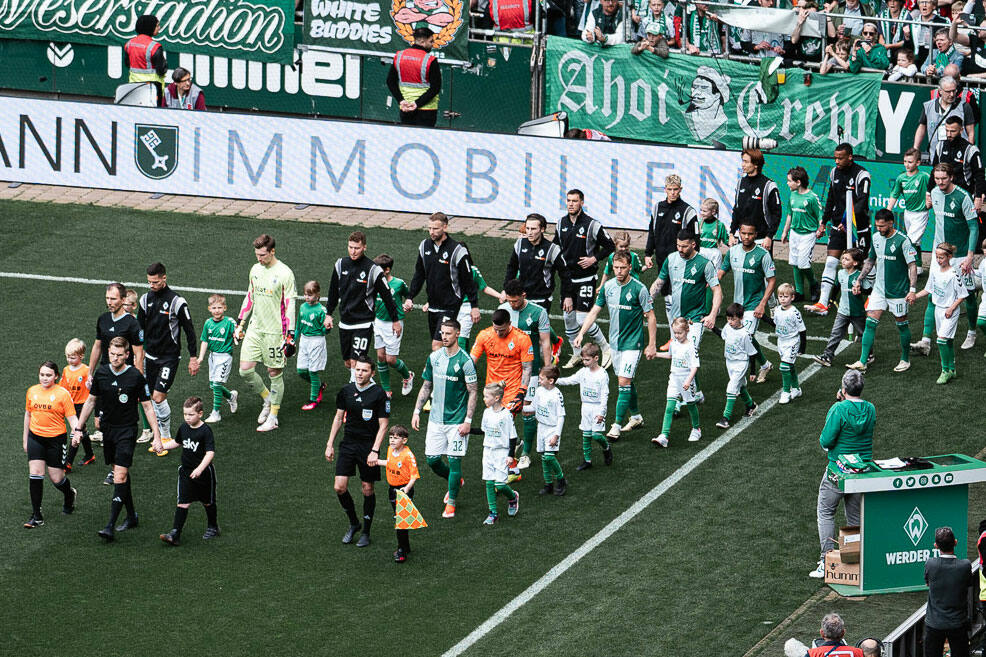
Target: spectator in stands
848	430
870	648
867	52
937	110
833	632
653	42
894	36
922	32
763	44
848	19
804	47
836	57
145	57
415	80
704	35
668	25
604	24
182	93
973	66
587	134
943	55
947	618
906	69
965	95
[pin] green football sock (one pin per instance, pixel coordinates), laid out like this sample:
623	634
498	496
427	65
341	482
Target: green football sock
786	380
795	383
799	285
143	417
276	391
693	414
634	401
530	432
761	359
504	489
868	334
600	438
491	496
943	349
305	375
554	465
438	466
384	369
401	368
971	309
587	446
809	278
217	395
747	397
668	415
254	382
904	333
622	404
546	468
929	321
454	477
730	402
315	383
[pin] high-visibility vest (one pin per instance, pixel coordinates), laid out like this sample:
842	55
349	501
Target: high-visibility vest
982	579
510	15
412	74
175	102
139	50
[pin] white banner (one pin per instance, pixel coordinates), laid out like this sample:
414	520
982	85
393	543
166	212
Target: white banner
355	165
762	19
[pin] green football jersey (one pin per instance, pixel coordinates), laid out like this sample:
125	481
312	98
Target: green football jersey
533	320
751	269
399	289
850	305
311	319
806	212
713	233
893	255
689	280
627	304
219	335
955	220
912	189
636	267
450	376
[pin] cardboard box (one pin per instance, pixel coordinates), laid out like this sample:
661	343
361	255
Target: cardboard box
837	572
850	541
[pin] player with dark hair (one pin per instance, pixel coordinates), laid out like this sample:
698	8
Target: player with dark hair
535	260
362	412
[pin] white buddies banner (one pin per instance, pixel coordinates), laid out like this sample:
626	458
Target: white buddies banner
344	164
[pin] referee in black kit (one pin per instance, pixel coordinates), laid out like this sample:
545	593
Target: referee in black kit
118	387
363	407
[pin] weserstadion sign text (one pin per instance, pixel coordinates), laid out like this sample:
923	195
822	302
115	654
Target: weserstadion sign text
346	164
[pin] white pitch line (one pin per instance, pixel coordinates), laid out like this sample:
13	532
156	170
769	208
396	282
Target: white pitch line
617	523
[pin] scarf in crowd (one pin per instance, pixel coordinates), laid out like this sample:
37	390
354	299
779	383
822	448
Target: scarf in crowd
607	24
704	33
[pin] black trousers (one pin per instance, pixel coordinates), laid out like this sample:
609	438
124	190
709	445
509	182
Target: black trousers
958	641
426	118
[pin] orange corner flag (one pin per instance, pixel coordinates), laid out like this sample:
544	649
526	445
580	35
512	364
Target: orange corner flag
407	516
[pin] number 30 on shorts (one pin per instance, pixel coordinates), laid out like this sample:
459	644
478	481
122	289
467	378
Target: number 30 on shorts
360	344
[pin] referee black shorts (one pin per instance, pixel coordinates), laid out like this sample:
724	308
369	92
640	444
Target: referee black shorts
202	489
436	317
352	456
118	445
355	343
160	373
50	450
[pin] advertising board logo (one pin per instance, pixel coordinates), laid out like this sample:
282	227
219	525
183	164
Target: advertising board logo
156	150
60	55
916	526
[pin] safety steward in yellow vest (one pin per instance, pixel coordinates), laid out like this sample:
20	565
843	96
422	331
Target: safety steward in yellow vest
415	80
511	16
145	56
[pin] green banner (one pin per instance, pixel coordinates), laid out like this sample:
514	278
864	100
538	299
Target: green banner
693	100
384	27
258	30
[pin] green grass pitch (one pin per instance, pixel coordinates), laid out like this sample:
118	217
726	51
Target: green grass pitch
716	561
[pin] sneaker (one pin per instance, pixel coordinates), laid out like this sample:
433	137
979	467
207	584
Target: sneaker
513	506
817	309
512	477
858	366
795	393
128	523
584	465
264	412
269	424
364	540
318	398
561	487
903	366
607	358
524	462
150	449
211	533
547	489
823	360
660	440
614	432
695	435
870	360
764	371
34	521
233	401
462	482
750	410
490	520
400	556
108	479
106	533
96	436
407	385
350	534
666	346
572	362
608	456
922	347
171	538
214	417
970	340
945	377
89	460
310	406
785	398
819	571
635	422
68	506
723	423
145	436
449	511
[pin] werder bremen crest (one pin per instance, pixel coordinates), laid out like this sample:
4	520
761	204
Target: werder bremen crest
156	149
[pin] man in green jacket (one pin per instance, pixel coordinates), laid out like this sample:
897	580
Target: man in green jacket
868	52
848	430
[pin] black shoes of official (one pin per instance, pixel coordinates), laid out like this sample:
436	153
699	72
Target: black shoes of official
350	534
364	540
210	533
129	523
172	538
584	465
608	456
548	489
34	521
106	533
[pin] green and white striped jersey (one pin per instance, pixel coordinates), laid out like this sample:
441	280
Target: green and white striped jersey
533	320
893	255
449	376
751	269
689	280
955	219
627	304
